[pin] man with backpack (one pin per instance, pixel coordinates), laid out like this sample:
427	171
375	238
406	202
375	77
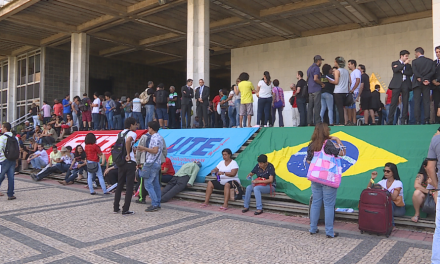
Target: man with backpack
148	102
86	112
161	98
9	153
123	157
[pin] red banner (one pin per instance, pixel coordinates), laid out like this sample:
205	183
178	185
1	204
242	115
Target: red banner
104	139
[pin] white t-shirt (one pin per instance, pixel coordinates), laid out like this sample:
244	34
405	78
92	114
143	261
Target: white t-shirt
353	76
396	184
67	159
265	90
133	135
223	168
137	105
232	101
95	109
43	155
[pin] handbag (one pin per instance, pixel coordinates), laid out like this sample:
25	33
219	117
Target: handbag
325	169
349	99
92	167
264	184
399	201
278	104
429	205
236	192
219	110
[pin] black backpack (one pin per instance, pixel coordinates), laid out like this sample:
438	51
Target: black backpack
119	152
161	97
12	150
84	104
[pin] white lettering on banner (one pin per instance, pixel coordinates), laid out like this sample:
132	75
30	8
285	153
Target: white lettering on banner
103	141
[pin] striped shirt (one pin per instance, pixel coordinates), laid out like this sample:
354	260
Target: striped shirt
3	140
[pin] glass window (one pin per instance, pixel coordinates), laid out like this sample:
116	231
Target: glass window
5	76
37	63
30	91
21	93
37	90
31	69
4	97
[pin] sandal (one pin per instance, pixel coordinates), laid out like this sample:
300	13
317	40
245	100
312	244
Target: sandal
2	194
204	205
223	208
415	219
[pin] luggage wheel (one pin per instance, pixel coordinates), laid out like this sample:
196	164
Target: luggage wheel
362	231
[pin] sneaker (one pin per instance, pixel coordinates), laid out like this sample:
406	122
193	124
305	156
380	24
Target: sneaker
12	198
128	213
117	212
152	208
95	185
34	177
140	202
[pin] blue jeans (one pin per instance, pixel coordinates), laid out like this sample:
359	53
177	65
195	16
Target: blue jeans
100	177
232	115
95	119
258	190
149	114
109	116
327	194
117	122
75	119
264	105
152	185
127	115
398	211
38	163
435	258
139	119
280	116
8	168
71	175
327	103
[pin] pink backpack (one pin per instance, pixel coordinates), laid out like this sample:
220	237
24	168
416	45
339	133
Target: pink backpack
325	169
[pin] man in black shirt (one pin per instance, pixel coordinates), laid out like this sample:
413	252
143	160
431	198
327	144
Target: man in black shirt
301	98
161	98
365	96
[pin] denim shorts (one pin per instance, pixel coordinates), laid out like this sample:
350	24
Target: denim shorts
162	113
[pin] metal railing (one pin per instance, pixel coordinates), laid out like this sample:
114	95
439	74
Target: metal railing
20	120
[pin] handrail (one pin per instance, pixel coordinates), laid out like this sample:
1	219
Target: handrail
20	120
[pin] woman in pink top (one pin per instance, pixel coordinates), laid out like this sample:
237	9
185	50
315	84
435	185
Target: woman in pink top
46	112
278	102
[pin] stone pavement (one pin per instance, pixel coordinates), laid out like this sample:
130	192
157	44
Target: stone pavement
51	223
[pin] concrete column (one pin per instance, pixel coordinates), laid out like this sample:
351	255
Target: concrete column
12	88
436	23
79	64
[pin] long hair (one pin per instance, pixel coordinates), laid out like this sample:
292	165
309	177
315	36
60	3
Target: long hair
320	135
76	150
393	169
267	75
90	139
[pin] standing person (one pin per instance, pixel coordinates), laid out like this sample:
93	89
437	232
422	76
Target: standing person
355	77
202	103
137	111
341	82
400	85
187	96
7	164
147	99
46	112
153	152
246	108
292	101
93	152
365	96
302	97
86	112
35	110
264	94
109	106
172	107
57	107
315	85
126	172
215	102
95	111
423	69
161	98
76	112
67	106
238	104
117	114
128	106
327	101
223	105
232	112
321	140
278	103
436	83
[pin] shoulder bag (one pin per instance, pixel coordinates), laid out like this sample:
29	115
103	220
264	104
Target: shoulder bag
429	205
264	184
236	191
325	169
92	167
349	99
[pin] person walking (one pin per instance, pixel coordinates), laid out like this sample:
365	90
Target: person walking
264	94
202	103
341	82
186	104
327	101
278	103
7	162
314	88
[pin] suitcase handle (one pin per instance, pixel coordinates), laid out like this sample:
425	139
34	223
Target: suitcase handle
371	212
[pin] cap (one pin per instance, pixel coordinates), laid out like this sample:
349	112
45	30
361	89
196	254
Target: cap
318	57
198	163
18	135
63	149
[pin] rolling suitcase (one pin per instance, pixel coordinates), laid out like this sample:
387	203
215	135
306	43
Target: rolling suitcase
376	212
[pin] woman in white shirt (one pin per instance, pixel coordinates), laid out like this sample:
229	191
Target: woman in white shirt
264	94
227	179
391	182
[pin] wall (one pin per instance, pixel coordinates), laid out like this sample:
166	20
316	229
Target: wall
375	47
57	74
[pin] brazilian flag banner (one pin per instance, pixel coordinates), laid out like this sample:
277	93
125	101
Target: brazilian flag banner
368	149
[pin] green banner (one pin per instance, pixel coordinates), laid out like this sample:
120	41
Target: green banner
368	149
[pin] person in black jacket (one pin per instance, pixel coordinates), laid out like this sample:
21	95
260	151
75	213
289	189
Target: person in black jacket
423	69
400	84
186	103
202	103
436	83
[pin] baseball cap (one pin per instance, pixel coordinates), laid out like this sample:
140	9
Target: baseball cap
64	149
318	57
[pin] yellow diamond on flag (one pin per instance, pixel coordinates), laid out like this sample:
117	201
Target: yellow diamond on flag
361	157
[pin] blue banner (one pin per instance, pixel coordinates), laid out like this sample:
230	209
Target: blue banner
204	145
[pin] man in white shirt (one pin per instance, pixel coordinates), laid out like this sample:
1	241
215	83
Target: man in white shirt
39	159
355	77
126	172
56	164
137	111
95	111
7	166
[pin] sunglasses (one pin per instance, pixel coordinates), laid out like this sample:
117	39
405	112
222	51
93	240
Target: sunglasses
387	171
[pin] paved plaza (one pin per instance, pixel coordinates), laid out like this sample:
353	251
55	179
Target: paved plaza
50	223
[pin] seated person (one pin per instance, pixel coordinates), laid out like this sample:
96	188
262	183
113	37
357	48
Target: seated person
35	139
227	171
61	165
391	182
20	141
186	175
111	172
52	120
27	132
423	187
264	170
196	122
77	167
57	126
49	137
65	128
39	159
23	155
167	170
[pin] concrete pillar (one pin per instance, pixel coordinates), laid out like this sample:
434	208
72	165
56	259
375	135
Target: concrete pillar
79	64
12	88
436	23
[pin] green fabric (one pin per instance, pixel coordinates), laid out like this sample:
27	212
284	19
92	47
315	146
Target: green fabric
188	169
407	146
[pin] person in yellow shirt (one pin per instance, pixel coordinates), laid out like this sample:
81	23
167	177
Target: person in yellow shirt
246	107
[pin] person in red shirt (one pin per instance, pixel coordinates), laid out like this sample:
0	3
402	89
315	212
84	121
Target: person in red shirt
167	171
57	108
93	152
215	102
388	97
